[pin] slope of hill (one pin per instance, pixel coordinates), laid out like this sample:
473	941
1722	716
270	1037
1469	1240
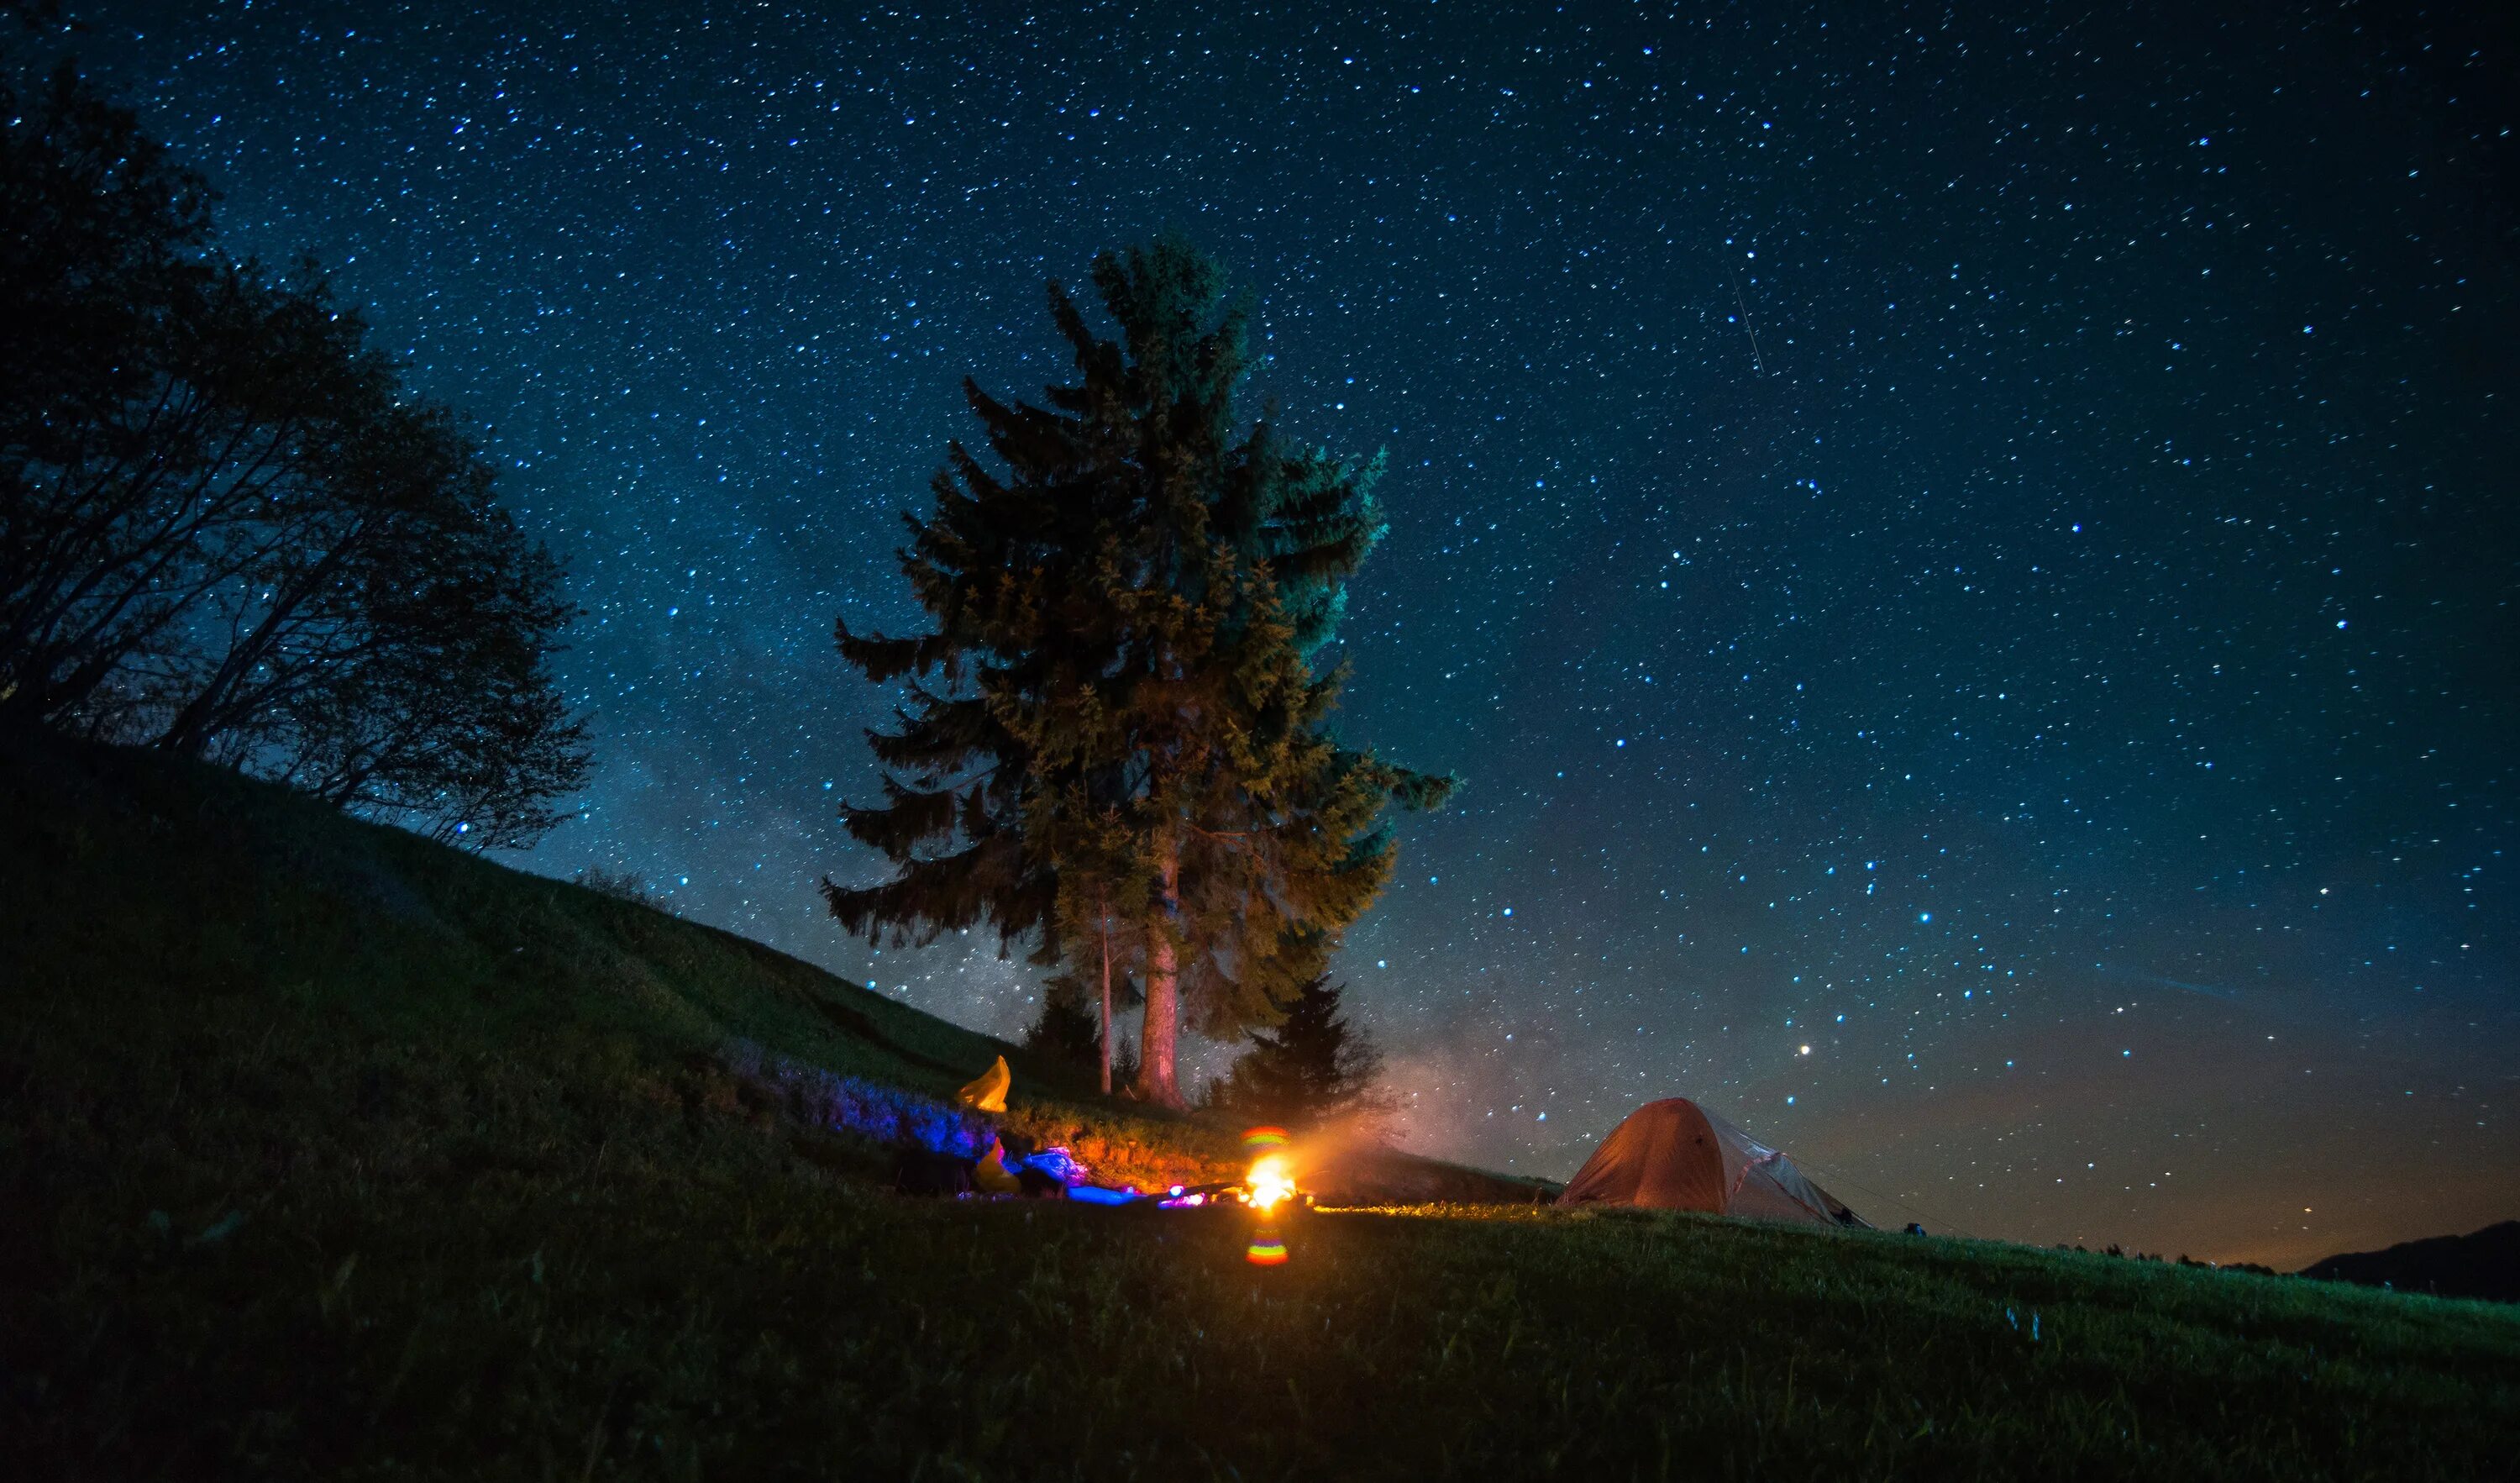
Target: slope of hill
2482	1264
327	1150
156	907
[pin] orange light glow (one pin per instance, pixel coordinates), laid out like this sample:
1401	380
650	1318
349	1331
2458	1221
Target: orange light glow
1269	1184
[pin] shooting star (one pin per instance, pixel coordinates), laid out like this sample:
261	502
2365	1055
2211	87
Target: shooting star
1758	365
2207	990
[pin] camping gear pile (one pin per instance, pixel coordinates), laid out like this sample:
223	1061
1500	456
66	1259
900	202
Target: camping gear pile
1011	1164
1676	1155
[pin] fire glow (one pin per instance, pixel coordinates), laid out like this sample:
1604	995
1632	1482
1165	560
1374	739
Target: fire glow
1268	1185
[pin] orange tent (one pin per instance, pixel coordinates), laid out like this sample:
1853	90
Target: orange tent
1676	1155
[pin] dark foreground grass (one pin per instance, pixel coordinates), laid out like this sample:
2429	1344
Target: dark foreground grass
307	1171
765	1319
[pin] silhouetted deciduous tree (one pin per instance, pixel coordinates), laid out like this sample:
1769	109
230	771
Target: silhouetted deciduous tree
227	528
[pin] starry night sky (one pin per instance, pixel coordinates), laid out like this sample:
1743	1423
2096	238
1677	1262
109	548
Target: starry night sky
2025	721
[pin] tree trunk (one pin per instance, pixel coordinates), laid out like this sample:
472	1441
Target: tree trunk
1107	1000
1162	1025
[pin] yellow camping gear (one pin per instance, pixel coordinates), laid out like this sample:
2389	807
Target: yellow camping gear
989	1093
991	1176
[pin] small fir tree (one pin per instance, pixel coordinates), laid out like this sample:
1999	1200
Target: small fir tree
1075	1012
1065	1029
1314	1067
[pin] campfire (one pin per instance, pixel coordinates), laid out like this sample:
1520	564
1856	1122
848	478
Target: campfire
1269	1184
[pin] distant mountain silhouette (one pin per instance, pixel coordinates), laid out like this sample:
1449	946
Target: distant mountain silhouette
2481	1265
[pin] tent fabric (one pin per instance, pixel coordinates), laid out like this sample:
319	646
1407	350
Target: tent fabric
1676	1155
988	1094
990	1174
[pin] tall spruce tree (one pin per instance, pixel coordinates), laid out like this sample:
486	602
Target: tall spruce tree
1114	745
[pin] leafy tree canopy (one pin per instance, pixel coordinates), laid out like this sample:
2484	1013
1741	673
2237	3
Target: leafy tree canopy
227	528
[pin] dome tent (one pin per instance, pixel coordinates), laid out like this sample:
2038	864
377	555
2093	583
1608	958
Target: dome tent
1676	1155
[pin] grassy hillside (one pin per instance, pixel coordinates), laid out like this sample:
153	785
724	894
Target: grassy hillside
326	1150
161	910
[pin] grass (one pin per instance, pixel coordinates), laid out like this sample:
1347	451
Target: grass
325	1152
159	906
